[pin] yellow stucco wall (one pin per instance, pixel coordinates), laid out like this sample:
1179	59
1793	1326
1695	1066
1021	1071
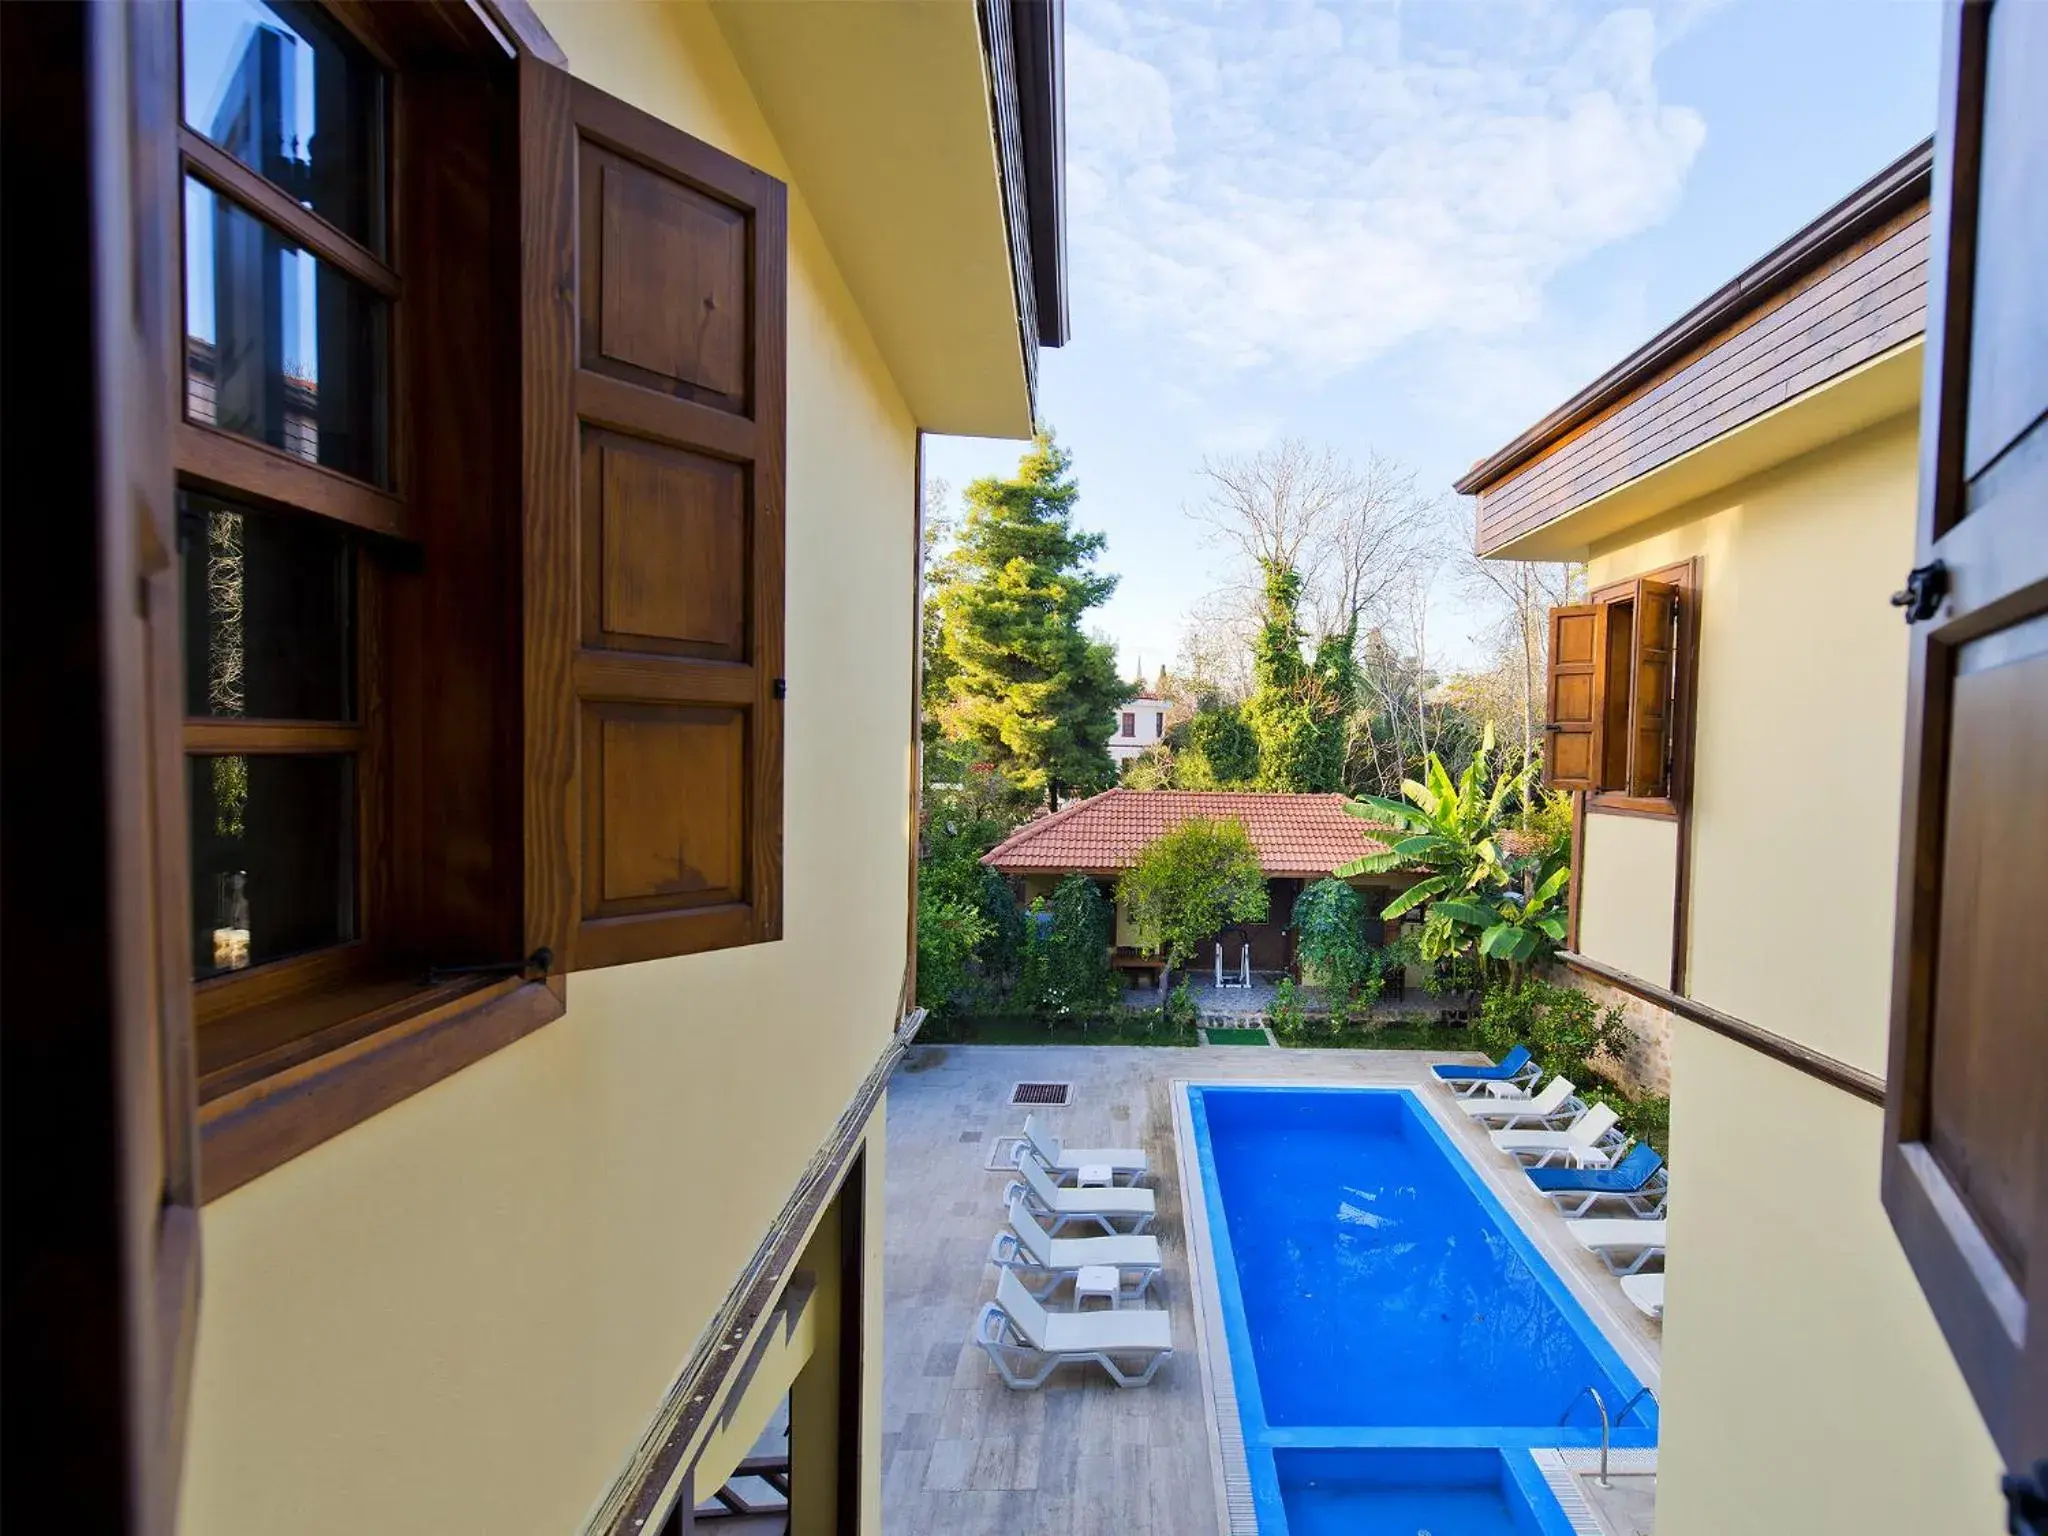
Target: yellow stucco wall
461	1315
1802	691
1627	868
1806	1386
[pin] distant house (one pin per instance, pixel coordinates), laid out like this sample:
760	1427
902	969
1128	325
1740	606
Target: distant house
1299	839
1140	723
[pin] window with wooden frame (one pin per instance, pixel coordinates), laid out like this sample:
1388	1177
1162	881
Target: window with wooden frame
1618	697
479	471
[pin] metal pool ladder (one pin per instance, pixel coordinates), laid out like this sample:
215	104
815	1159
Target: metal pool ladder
1607	1425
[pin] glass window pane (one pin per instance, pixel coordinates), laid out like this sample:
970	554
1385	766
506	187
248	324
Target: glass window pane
273	858
280	346
286	91
269	614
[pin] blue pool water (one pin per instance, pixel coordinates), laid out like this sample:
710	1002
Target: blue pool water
1400	1493
1376	1295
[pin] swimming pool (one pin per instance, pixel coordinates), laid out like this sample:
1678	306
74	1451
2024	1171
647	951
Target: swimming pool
1396	1343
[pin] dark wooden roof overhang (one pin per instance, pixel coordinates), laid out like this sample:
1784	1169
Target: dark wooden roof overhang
1892	192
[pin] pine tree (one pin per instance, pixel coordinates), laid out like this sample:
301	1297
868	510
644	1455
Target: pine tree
1030	689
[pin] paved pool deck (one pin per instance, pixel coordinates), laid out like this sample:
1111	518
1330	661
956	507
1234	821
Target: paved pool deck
963	1455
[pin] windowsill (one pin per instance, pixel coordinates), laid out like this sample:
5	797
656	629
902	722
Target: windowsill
1613	803
282	1080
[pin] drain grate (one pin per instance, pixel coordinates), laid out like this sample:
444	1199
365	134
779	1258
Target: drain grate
1040	1093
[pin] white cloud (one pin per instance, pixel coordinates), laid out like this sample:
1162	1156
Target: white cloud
1309	188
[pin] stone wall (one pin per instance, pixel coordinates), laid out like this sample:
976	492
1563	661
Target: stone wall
1646	1067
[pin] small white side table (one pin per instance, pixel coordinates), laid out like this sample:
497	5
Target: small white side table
1097	1280
1094	1176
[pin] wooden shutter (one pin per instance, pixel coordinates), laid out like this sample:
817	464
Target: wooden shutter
1573	697
1966	1154
1651	648
653	299
101	1152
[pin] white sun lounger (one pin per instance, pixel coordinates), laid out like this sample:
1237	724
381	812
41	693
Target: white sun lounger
1611	1236
1026	1343
1126	1164
1028	1247
1585	1143
1057	1206
1553	1104
1645	1294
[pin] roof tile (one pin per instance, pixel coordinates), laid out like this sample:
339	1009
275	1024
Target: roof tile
1295	835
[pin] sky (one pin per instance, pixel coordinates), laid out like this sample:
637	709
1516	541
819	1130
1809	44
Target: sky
1413	228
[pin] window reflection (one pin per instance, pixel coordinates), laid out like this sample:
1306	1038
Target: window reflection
269	614
280	346
273	857
291	95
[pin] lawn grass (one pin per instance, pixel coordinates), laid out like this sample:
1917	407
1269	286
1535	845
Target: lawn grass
1221	1036
1017	1031
1390	1037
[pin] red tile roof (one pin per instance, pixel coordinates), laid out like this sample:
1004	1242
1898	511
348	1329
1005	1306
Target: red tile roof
1295	835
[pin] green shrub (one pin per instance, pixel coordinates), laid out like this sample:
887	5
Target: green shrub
1286	1013
1180	1012
947	932
1563	1027
1078	981
1192	880
1330	937
1002	951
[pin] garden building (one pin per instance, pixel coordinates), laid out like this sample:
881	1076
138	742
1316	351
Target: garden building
1299	839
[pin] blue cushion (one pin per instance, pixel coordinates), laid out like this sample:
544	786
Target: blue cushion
1510	1064
1625	1177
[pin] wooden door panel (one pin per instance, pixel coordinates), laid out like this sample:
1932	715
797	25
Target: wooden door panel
1572	708
1991	970
102	1244
668	808
664	300
1967	1082
666	530
2009	360
1655	625
654	291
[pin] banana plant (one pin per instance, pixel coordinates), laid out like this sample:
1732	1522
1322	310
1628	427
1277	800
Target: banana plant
1514	926
1449	827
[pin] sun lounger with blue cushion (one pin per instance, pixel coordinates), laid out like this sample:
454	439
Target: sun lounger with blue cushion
1638	1181
1463	1080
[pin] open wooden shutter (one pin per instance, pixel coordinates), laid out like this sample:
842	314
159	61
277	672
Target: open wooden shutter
1573	697
101	1155
653	300
1651	647
1966	1090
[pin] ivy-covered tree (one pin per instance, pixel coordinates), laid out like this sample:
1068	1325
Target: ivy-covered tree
1029	687
1300	711
1220	751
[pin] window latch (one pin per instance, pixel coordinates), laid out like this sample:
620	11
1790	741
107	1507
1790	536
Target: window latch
540	962
1926	585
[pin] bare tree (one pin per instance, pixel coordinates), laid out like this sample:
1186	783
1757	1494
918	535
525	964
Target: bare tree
1381	534
1520	595
1274	506
1354	532
1216	644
